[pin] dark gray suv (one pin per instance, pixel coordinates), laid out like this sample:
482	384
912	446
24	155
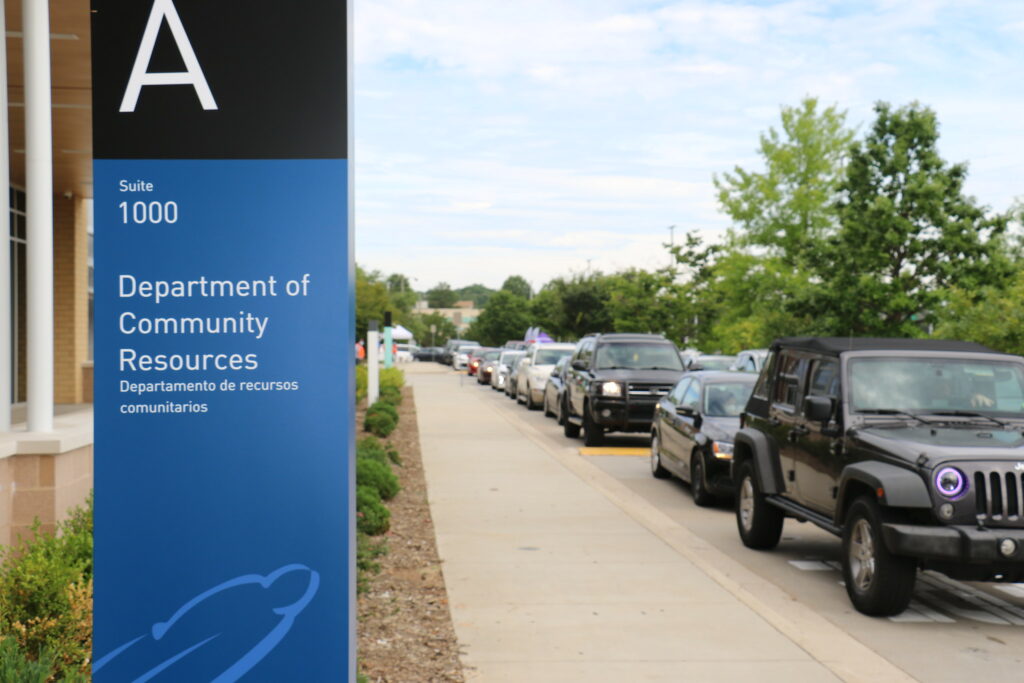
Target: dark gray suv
909	450
614	383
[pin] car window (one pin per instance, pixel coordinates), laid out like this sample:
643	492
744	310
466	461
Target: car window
550	356
761	388
787	385
749	364
637	356
676	395
824	379
726	399
691	395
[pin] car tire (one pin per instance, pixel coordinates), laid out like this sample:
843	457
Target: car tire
758	521
698	484
569	428
530	403
879	583
593	434
560	415
547	410
658	471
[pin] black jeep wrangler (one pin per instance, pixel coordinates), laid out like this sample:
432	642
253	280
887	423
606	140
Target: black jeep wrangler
910	450
614	383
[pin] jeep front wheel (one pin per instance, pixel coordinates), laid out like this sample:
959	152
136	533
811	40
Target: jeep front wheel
758	521
878	582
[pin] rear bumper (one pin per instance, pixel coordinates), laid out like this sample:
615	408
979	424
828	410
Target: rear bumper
963	544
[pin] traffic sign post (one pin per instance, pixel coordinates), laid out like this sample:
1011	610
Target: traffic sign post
224	326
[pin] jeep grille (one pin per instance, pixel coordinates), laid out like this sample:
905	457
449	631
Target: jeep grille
998	495
655	391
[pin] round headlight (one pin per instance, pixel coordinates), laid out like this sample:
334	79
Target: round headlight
950	482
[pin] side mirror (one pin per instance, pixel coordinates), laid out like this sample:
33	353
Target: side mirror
579	365
525	363
685	410
818	408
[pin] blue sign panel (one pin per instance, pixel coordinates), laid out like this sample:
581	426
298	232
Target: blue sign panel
223	324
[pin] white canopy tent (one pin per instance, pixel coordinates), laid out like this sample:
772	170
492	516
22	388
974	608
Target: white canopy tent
400	333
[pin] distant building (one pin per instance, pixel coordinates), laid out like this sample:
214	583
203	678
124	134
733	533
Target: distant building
462	315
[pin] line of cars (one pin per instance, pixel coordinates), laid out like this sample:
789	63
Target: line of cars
910	451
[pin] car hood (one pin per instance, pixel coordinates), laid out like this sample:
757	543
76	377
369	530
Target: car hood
945	441
646	376
720	428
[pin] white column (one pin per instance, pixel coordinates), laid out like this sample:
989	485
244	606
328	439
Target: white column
6	324
372	367
39	214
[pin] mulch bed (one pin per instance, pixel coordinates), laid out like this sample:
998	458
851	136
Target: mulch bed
405	629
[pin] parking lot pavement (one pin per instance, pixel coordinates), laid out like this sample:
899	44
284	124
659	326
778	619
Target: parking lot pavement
557	572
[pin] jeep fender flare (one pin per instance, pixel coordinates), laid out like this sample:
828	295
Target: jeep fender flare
901	488
757	446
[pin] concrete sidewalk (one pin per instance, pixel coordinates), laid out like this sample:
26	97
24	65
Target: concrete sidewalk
556	572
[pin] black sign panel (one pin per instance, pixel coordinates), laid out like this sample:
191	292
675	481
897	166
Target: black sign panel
268	64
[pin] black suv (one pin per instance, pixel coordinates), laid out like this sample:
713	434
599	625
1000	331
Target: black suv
614	382
910	450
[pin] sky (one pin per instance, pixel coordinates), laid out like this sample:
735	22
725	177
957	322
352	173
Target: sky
545	137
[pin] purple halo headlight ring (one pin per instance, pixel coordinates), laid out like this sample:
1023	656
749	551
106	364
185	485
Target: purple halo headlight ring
951	483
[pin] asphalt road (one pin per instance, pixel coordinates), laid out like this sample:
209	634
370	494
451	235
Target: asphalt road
954	631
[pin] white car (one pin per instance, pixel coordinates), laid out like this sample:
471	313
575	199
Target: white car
535	370
499	378
460	360
405	352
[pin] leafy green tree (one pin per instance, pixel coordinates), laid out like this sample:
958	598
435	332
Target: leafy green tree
401	292
507	316
570	308
419	325
648	301
517	285
792	203
372	300
441	296
477	293
993	316
907	233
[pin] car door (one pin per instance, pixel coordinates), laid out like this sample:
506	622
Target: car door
578	377
784	422
667	418
820	460
687	425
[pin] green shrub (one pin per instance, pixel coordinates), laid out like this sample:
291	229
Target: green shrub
367	552
378	475
391	395
383	406
361	382
379	423
373	448
46	594
15	667
391	377
372	518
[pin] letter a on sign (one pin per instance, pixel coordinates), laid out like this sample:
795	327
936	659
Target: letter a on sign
193	74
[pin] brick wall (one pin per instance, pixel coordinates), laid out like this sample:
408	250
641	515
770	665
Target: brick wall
70	299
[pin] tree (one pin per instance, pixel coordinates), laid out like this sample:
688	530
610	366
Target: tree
570	308
907	233
507	316
419	325
517	284
401	292
993	316
477	293
441	296
792	203
372	300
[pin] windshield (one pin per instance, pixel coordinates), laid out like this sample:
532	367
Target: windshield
508	358
936	385
491	355
727	399
712	363
637	356
550	356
